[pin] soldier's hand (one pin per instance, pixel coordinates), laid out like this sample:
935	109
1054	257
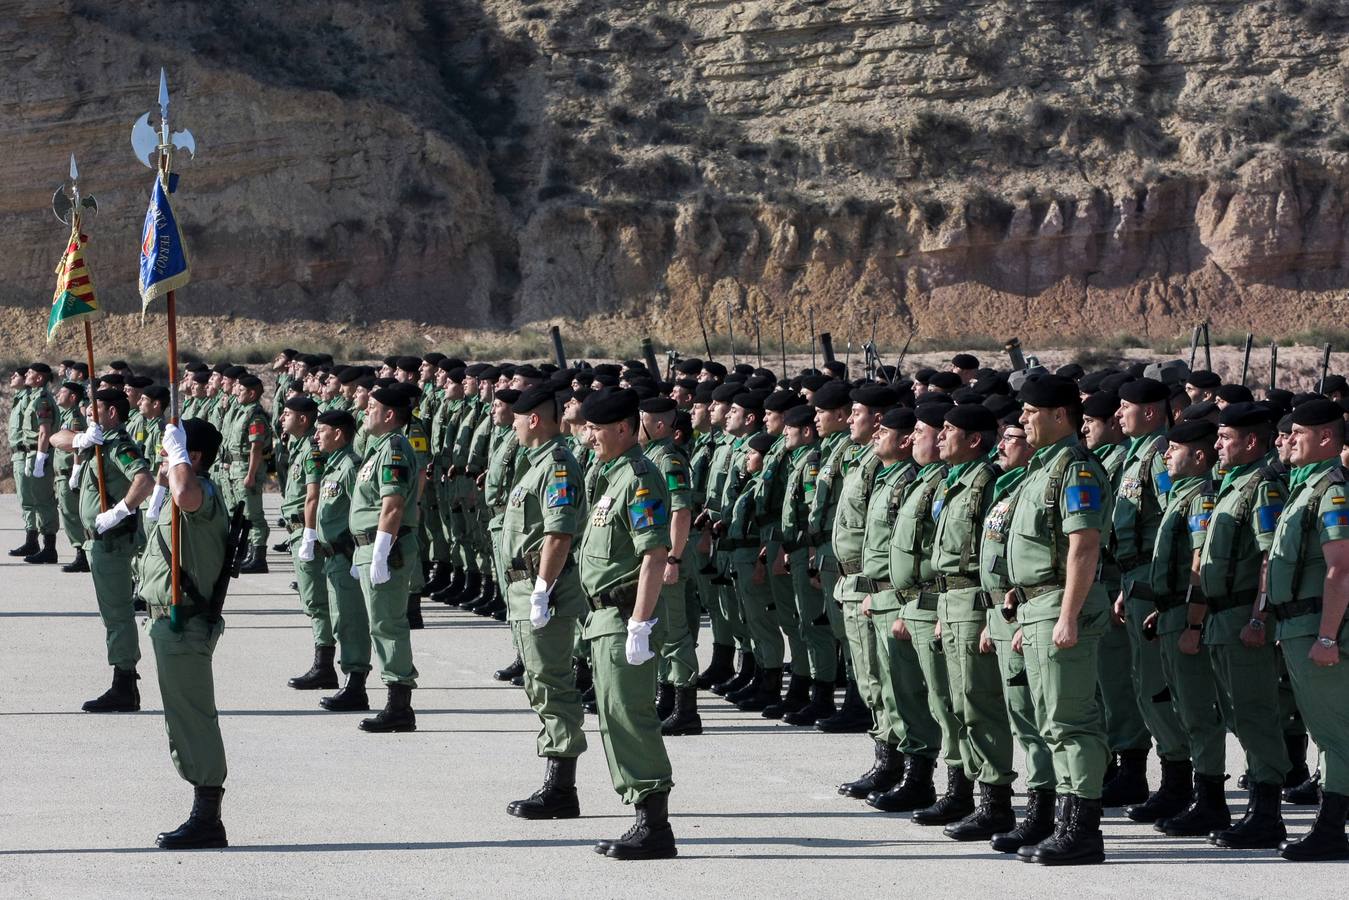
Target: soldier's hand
1117	610
985	642
759	575
637	648
780	565
1251	637
1065	633
671	575
901	631
87	438
1324	656
1018	642
1189	642
866	606
249	482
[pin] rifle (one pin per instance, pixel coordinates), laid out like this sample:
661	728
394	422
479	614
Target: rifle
1325	370
649	355
847	356
1208	357
1194	344
707	345
730	332
827	346
758	342
235	539
812	340
1246	358
1273	365
782	336
903	353
1013	348
561	357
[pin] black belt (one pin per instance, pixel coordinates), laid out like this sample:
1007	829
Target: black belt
865	585
525	569
1233	600
849	568
124	527
363	538
22	448
1294	608
616	598
1025	594
344	547
1168	601
946	583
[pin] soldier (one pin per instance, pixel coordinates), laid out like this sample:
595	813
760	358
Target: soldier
1053	549
383	521
248	437
32	457
544	599
622	556
719	566
707	418
18	383
332	542
184	649
70	417
1305	592
115	535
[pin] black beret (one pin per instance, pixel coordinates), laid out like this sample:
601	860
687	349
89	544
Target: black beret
1137	370
409	363
1279	398
531	399
118	364
434	357
992	383
1000	405
609	405
1286	424
814	382
781	401
1144	390
1100	405
726	393
1334	383
946	381
202	437
350	375
1245	415
972	417
834	395
75	388
580	394
761	441
527	372
235	372
311	360
250	382
508	396
303	405
202	377
391	397
491	373
1071	370
703	392
643	389
967	395
1091	382
923	374
799	416
1317	412
476	369
657	405
688	384
41	368
737	378
714	368
875	396
112	378
604	379
1114	381
114	397
140	382
760	382
899	419
1196	431
964	361
1235	393
1204	379
1049	391
337	418
196	367
1201	410
751	401
691	366
1305	396
933	413
157	392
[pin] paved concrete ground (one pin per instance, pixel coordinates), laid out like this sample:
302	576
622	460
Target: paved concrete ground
315	807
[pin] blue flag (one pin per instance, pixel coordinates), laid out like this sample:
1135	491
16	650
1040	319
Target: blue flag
164	265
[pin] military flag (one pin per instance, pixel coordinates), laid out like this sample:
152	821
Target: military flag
164	264
74	298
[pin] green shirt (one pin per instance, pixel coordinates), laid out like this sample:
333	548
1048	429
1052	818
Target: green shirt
628	517
152	436
800	496
1297	564
859	467
546	499
773	491
16	409
386	471
993	550
1182	530
306	468
122	462
38	410
1240	532
911	542
201	545
670	460
1139	502
887	493
503	462
64	461
833	448
332	519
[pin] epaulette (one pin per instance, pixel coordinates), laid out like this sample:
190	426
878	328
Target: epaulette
640	465
559	453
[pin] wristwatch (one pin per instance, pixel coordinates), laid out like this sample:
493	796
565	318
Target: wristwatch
1327	642
1257	623
1194	626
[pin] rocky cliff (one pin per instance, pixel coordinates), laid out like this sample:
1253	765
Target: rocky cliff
1055	167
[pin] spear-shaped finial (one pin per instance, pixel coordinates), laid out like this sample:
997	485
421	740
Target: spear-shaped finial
151	146
164	104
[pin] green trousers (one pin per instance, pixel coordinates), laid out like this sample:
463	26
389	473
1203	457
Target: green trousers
625	696
1154	697
709	600
909	725
932	663
678	653
312	583
550	684
976	698
1323	697
1289	716
387	606
1195	693
1124	725
785	615
830	575
729	601
68	507
1249	678
1063	685
862	648
1021	713
187	686
111	561
259	530
812	621
693	609
281	459
756	605
37	495
348	615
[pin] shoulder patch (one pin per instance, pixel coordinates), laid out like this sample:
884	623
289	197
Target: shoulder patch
1267	517
1082	498
1335	518
640	465
646	511
1162	480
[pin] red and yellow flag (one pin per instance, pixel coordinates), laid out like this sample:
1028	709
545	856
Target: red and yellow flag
74	298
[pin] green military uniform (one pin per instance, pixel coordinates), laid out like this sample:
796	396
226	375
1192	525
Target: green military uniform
306	468
347	615
1240	532
37	493
835	449
1317	513
679	655
856	475
769	500
246	428
546	500
421	451
705	447
151	436
719	475
628	518
821	650
112	553
387	471
183	657
1065	491
1140	501
754	600
960	509
63	464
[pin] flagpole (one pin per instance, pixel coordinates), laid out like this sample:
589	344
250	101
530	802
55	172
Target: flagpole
175	527
93	404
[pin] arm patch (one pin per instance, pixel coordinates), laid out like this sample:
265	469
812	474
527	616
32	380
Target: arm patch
1082	498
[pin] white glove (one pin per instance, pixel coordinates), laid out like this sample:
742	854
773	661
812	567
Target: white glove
156	502
539	613
175	445
87	438
307	542
638	646
110	519
40	464
379	563
355	571
74	481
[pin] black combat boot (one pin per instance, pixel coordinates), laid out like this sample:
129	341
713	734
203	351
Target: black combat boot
1130	784
1261	828
650	836
557	798
352	696
45	556
1080	843
1037	824
1308	793
438	578
719	669
282	546
29	545
954	805
469	594
480	598
585	679
397	714
514	670
203	829
665	699
452	589
916	791
321	675
588	701
797	696
79	564
255	563
994	815
1170	798
767	692
684	718
1296	745
821	705
1207	811
1326	839
415	622
1058	826
739	679
853	717
884	774
123	696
